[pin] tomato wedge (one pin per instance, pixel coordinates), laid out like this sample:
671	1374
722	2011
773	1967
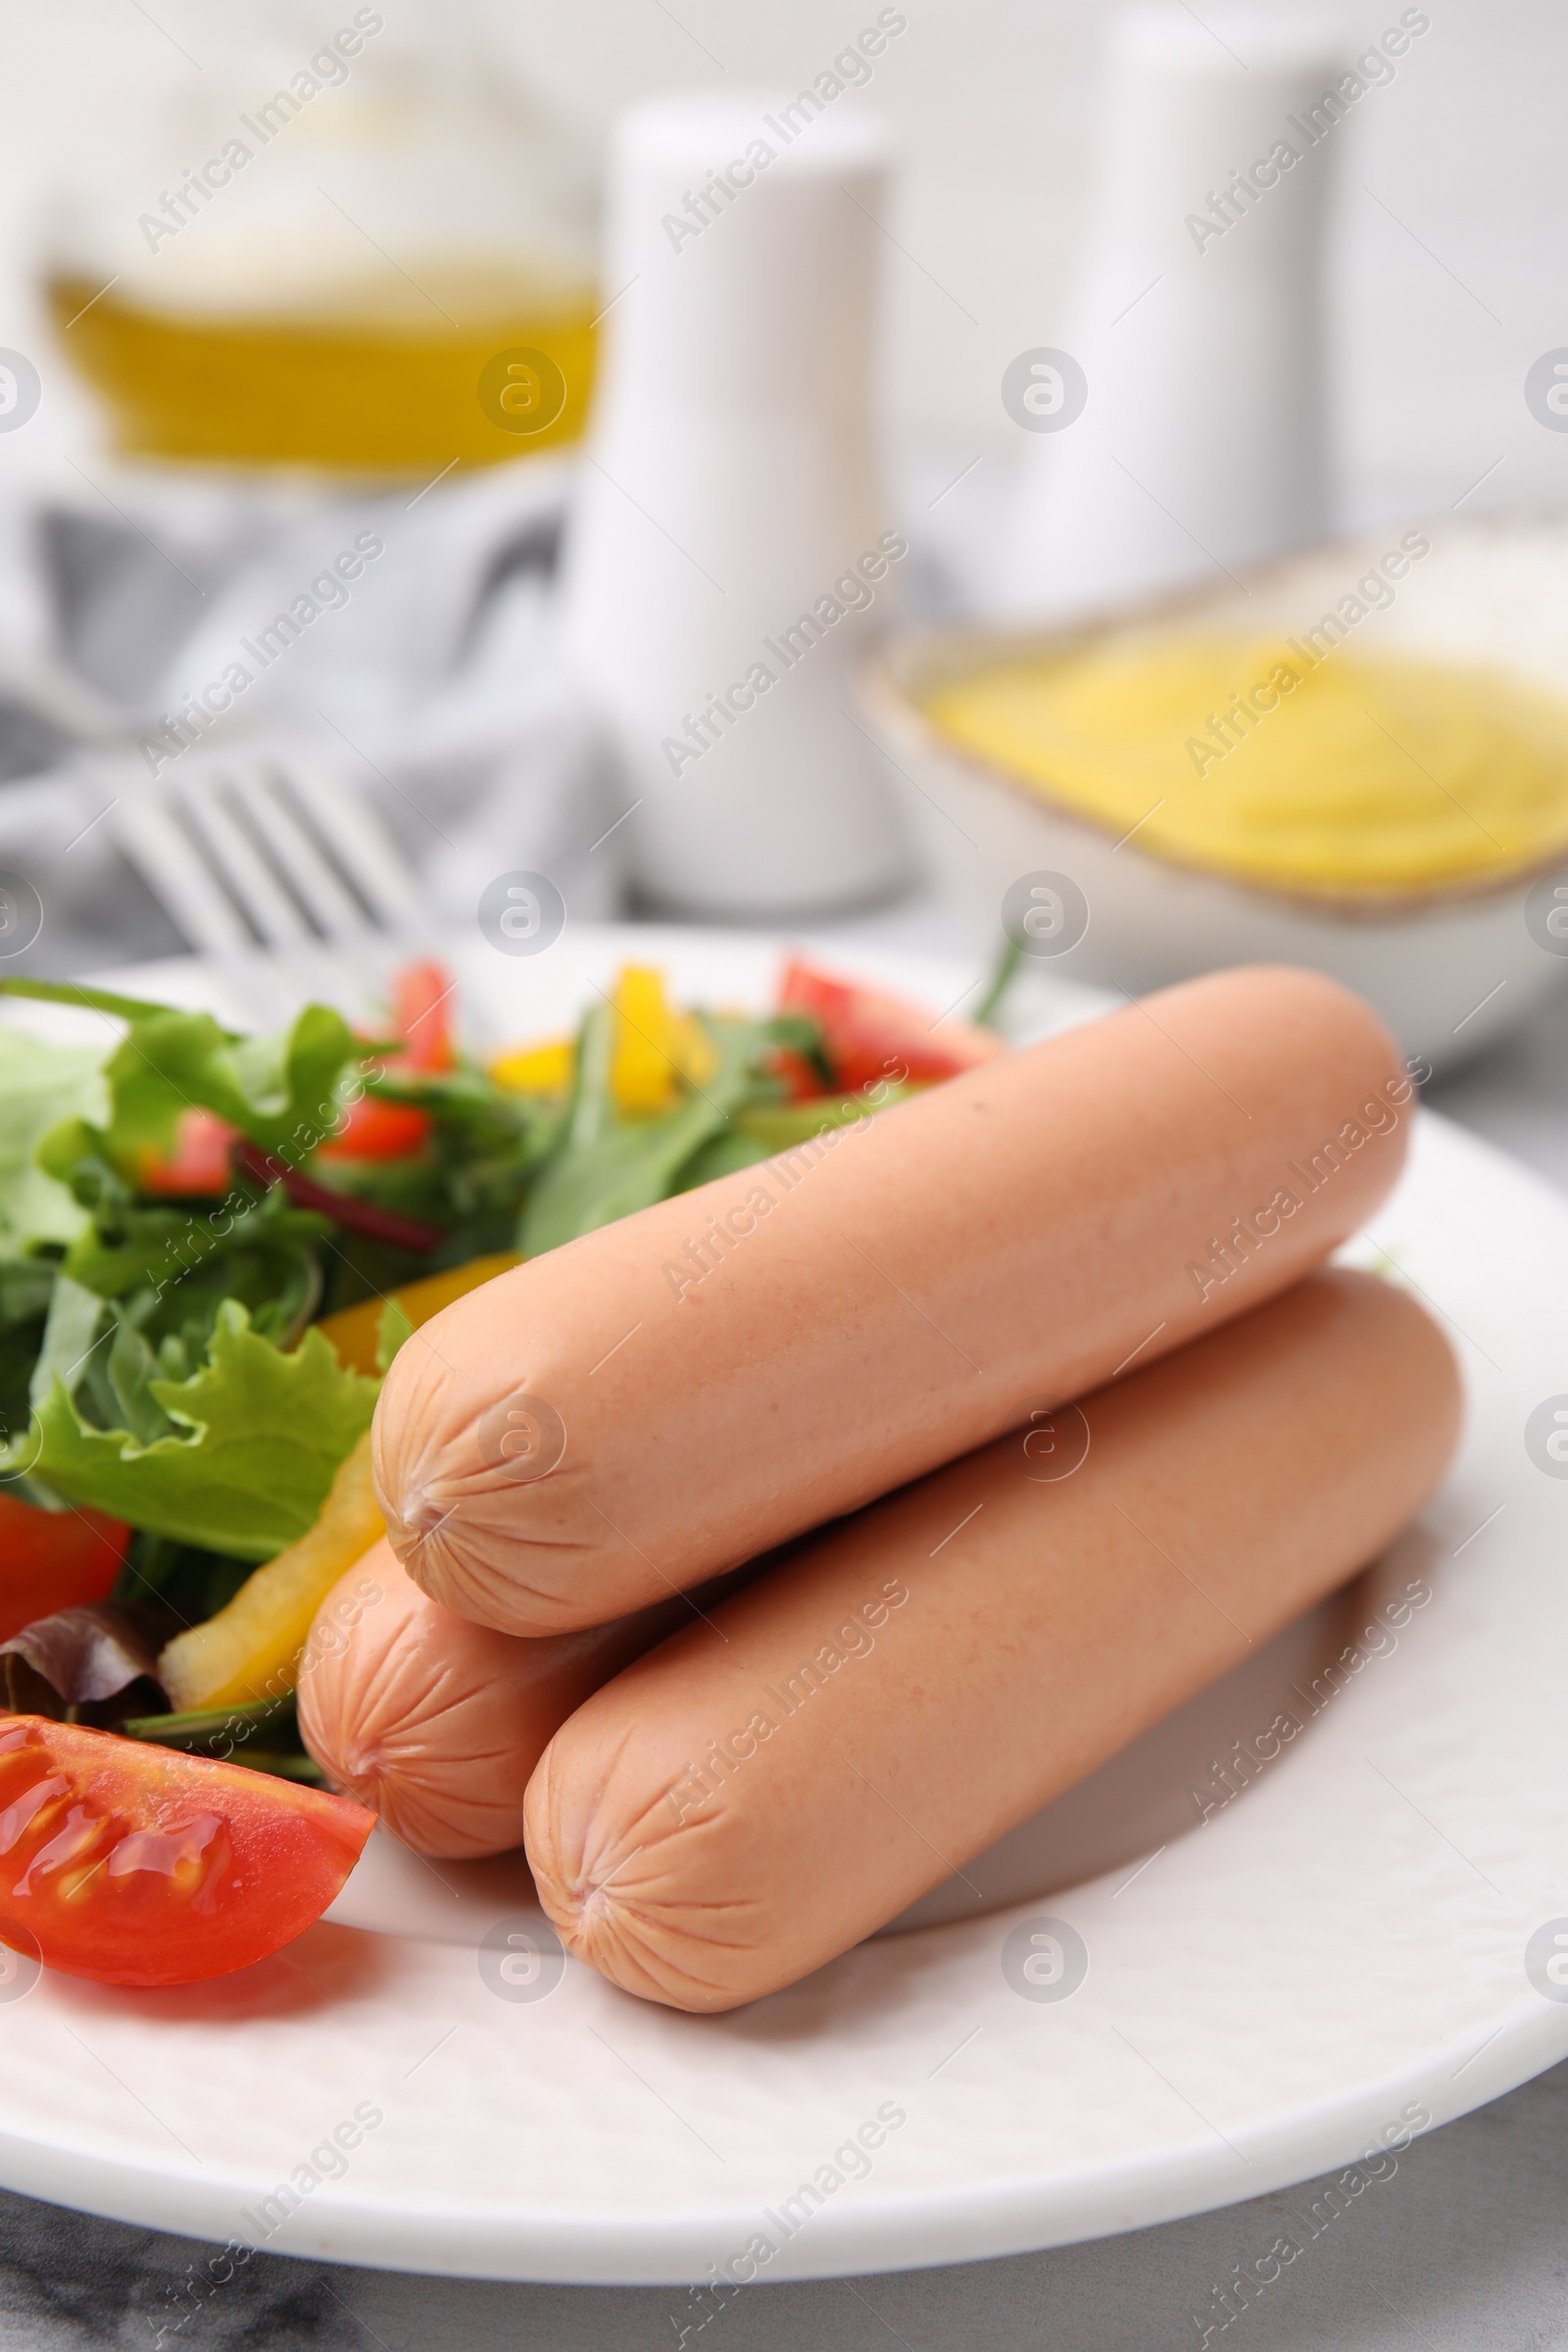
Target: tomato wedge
868	1035
139	1865
54	1560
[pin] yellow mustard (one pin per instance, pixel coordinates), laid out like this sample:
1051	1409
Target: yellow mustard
1326	773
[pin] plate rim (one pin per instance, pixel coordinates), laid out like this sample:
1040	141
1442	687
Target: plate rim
895	2227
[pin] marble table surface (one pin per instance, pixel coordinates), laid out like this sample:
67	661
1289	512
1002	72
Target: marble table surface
1464	2249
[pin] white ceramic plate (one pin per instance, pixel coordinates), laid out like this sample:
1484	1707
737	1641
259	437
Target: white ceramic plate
1331	1957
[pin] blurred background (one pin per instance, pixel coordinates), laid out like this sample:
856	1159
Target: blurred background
992	108
407	441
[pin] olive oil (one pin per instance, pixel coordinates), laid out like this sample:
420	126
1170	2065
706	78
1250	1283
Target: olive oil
407	381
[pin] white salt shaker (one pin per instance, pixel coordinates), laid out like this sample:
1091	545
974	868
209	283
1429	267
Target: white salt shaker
733	547
1199	443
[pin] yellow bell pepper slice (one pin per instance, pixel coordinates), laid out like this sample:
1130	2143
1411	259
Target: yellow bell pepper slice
545	1068
251	1651
641	1071
696	1054
655	1047
355	1330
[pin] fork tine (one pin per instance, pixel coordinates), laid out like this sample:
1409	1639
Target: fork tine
357	837
277	820
178	877
267	837
250	879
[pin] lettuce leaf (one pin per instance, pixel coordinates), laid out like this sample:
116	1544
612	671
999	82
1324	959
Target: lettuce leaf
41	1082
258	1436
69	1330
282	1091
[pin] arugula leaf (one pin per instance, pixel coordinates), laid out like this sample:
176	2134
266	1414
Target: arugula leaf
627	1168
177	1263
606	1166
471	1174
1008	958
777	1126
257	1440
722	1155
216	1731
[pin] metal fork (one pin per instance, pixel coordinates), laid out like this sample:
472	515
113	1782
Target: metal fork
273	867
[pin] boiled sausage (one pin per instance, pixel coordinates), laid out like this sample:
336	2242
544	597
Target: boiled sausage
436	1723
729	1813
680	1390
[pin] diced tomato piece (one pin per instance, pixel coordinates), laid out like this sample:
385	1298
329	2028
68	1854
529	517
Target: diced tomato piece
375	1130
198	1166
135	1864
868	1035
422	998
54	1560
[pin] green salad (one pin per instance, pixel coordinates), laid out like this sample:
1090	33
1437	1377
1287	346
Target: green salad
211	1244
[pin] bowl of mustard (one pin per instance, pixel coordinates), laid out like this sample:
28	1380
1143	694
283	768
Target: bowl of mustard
1357	760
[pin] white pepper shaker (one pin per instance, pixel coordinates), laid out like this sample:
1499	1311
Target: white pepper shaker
732	546
1196	318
